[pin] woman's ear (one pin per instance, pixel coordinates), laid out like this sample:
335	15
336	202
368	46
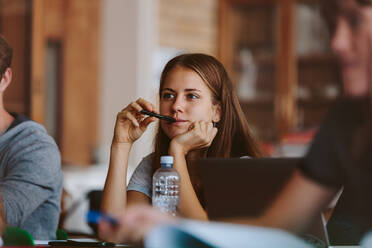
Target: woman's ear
216	113
5	80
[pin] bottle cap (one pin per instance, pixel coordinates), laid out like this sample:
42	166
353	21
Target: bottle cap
166	160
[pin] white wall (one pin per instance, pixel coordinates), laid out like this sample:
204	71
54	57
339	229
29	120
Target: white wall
128	43
127	48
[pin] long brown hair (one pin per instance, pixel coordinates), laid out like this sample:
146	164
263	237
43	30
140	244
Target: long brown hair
233	138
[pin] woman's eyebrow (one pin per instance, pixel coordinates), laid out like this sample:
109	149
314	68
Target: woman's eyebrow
187	90
192	90
169	89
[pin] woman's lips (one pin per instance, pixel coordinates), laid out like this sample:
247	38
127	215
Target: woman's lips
178	122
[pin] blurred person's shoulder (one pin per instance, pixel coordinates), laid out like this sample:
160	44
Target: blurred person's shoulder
347	112
339	125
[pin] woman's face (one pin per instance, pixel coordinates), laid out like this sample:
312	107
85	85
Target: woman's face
352	43
187	98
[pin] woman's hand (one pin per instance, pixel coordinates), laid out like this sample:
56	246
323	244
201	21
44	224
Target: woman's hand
133	225
199	135
130	124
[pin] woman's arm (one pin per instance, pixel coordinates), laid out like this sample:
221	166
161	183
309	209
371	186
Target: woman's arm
129	126
200	135
114	196
137	198
190	206
296	206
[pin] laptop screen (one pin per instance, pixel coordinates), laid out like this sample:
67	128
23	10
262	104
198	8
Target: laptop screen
244	187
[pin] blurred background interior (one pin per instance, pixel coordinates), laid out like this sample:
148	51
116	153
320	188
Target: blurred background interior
79	62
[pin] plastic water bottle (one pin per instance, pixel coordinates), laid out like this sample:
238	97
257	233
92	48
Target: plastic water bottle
165	187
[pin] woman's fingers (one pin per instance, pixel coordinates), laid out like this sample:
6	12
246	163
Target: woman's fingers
135	106
146	122
204	132
130	122
214	131
146	105
133	225
141	218
191	126
132	118
208	127
140	104
132	113
107	232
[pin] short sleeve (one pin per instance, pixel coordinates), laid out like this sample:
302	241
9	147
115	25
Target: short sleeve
329	156
321	163
141	179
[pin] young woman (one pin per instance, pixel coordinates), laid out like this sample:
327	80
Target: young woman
195	90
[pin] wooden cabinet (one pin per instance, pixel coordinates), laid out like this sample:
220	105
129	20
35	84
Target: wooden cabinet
15	26
56	62
277	52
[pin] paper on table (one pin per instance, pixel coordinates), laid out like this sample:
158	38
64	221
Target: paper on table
222	235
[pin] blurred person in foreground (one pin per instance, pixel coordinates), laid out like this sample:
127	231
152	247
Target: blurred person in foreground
30	167
340	154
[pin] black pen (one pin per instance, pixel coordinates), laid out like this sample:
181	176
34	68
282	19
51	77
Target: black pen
76	243
162	117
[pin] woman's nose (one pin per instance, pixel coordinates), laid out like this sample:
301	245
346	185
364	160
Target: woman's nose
341	39
178	105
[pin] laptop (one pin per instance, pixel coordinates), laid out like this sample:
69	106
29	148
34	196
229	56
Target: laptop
245	187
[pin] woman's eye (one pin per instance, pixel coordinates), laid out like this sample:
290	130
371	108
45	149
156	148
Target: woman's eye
354	19
192	96
167	96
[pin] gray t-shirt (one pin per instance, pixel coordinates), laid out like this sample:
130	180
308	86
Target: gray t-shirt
141	179
30	179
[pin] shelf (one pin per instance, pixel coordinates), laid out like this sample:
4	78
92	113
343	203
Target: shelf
317	58
268	30
256	45
263	62
258	102
245	2
316	102
308	1
262	102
